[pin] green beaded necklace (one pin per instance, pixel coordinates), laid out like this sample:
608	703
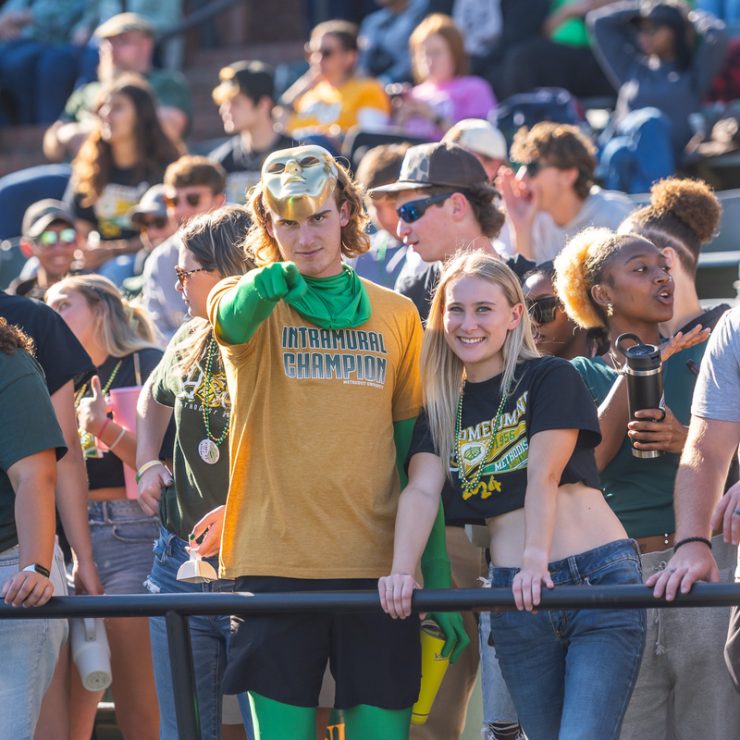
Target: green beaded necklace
207	394
469	486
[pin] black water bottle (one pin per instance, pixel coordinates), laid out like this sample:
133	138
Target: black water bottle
643	368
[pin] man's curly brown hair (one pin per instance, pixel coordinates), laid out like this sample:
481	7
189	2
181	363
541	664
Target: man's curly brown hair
13	338
259	245
561	146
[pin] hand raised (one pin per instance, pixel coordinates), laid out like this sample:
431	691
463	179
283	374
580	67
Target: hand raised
280	280
681	341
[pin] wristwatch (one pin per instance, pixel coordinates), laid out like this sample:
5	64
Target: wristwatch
36	568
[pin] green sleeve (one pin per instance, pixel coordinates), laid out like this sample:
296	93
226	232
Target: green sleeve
241	311
435	564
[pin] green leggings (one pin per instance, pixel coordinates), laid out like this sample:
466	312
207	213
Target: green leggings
276	721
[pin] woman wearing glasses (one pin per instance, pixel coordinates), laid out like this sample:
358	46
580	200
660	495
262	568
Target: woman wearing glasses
555	333
190	382
126	152
508	436
120	341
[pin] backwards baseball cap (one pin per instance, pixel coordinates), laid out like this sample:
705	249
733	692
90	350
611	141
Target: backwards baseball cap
152	203
123	23
253	79
441	163
40	215
479	136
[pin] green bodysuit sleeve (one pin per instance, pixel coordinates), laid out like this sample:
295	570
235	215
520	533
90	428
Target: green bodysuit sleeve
245	307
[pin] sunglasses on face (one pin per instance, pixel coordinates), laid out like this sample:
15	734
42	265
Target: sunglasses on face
415	209
534	167
542	310
183	275
192	199
52	238
156	222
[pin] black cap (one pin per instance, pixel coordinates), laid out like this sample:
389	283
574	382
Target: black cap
40	215
441	163
253	79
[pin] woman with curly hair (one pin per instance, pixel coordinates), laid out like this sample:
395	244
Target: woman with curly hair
125	154
682	216
444	92
120	341
623	283
508	436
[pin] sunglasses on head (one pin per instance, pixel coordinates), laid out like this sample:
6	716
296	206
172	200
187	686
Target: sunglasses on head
192	199
542	310
415	209
183	275
52	238
155	222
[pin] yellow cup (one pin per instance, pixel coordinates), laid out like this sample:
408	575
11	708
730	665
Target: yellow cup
433	669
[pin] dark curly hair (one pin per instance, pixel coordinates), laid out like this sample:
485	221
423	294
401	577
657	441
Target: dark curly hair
560	145
683	214
91	168
13	338
260	246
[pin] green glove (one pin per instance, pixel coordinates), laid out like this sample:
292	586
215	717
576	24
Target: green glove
453	627
242	310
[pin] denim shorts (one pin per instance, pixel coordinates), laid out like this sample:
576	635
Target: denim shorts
122	538
571	672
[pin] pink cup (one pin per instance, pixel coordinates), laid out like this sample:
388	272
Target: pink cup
123	405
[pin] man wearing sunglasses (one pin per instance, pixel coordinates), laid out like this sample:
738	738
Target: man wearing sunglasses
50	236
552	195
192	185
444	203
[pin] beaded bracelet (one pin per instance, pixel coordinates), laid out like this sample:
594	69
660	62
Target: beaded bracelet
117	439
686	541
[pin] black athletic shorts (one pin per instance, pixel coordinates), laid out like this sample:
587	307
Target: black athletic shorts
374	659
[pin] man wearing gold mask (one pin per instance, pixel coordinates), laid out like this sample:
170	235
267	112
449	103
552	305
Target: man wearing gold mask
322	370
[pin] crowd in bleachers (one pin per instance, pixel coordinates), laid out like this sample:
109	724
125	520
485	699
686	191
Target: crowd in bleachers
454	211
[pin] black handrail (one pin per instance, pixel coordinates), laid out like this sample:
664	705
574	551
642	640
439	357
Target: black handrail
176	607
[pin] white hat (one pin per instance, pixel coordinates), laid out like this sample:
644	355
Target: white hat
479	136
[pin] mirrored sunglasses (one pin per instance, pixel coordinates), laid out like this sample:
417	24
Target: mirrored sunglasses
415	209
52	238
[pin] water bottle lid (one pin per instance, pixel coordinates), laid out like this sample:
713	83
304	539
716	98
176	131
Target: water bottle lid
639	356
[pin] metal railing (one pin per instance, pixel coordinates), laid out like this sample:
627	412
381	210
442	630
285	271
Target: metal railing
176	608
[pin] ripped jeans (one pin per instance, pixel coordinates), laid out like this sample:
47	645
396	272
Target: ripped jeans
571	672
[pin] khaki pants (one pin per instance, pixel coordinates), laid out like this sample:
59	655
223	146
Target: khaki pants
447	718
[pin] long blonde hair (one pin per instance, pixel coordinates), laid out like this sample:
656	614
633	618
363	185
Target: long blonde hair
442	370
122	328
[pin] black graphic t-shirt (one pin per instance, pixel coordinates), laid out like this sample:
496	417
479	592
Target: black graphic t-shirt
549	394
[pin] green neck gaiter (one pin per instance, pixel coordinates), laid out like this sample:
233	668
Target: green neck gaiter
337	302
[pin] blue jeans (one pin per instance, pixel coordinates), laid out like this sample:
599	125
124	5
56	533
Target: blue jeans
30	649
639	153
571	672
209	637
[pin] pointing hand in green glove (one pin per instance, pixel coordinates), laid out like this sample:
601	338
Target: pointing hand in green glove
280	280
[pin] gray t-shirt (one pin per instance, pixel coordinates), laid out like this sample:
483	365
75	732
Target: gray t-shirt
606	208
717	392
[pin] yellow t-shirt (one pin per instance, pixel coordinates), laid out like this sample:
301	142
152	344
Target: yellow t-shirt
313	485
325	106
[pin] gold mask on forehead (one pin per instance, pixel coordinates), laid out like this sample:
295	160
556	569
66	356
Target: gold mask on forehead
297	182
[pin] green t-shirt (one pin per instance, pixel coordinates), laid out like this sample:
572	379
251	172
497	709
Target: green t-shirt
28	425
640	491
573	32
199	486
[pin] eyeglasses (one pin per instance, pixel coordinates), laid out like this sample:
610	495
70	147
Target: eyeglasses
192	199
156	222
415	209
542	310
183	275
324	53
52	238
